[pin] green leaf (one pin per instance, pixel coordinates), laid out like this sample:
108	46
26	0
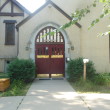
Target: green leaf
93	22
103	1
94	5
102	15
106	11
97	20
87	11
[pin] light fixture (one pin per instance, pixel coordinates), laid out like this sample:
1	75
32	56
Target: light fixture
68	59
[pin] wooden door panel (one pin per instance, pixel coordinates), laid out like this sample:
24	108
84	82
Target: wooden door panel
49	53
57	67
42	59
57	59
50	59
43	66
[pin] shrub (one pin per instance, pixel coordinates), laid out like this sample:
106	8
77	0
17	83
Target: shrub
75	69
102	79
21	69
90	70
3	75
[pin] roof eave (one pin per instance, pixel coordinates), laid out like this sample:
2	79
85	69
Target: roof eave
21	7
42	7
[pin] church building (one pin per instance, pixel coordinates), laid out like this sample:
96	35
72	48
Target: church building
21	36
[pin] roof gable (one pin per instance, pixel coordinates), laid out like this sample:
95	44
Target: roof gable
42	7
21	6
11	6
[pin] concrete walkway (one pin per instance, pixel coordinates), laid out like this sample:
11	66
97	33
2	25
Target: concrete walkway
97	101
55	95
52	95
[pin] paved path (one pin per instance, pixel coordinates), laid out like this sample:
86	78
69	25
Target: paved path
52	95
97	101
55	95
10	103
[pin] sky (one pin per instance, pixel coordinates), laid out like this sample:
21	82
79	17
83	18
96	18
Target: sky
32	5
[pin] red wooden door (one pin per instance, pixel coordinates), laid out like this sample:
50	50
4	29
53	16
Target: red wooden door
42	59
50	53
57	59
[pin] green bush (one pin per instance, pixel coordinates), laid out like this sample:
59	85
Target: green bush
21	69
3	75
75	69
102	78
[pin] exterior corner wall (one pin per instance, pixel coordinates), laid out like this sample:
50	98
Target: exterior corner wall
93	47
48	17
1	65
8	52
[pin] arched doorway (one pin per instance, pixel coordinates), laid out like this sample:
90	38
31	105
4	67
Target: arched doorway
50	52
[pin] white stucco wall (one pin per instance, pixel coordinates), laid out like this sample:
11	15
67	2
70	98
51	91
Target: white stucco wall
69	6
86	43
52	17
92	47
1	65
48	17
8	51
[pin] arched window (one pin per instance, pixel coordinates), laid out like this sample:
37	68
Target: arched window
56	38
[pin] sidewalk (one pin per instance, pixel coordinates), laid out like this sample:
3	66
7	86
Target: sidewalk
97	101
55	95
52	95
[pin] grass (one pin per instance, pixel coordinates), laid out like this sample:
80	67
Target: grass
90	87
17	88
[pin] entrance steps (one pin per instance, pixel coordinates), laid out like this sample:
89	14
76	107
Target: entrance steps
51	78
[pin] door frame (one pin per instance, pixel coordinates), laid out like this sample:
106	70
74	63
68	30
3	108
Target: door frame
31	42
51	59
58	39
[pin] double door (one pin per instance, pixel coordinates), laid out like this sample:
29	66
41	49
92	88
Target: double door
50	59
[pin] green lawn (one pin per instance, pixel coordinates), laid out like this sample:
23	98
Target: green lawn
90	87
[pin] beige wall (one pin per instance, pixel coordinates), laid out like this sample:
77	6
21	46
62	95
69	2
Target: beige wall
86	43
92	47
47	15
8	51
1	65
69	6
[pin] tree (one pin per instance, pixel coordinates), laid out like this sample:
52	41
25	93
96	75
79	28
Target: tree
79	14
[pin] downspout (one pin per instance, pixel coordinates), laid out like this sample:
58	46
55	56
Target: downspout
0	3
17	40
